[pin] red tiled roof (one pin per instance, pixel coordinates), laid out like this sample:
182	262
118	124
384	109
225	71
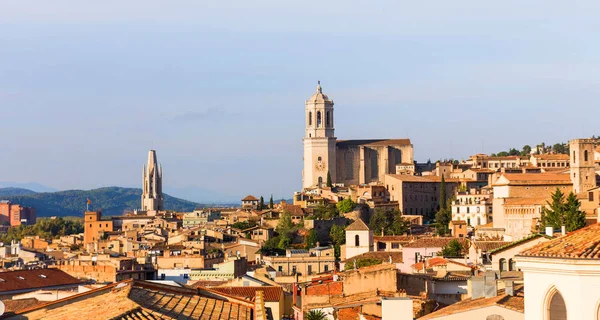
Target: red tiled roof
486	246
271	293
536	178
19	304
29	280
515	303
580	244
384	256
250	198
393	238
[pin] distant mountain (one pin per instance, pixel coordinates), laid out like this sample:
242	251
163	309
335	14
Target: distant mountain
15	192
33	186
202	195
112	200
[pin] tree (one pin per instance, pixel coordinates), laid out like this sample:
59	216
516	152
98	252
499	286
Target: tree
316	315
443	196
563	212
337	234
311	239
329	183
285	224
365	262
345	205
399	225
390	222
453	249
379	221
325	212
513	152
271	202
261	205
526	150
502	154
442	221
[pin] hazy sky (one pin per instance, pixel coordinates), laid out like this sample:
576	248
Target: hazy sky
218	88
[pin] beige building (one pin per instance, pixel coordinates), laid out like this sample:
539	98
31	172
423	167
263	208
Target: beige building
347	162
416	194
474	207
303	262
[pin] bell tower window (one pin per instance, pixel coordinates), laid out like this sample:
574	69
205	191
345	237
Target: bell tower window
319	119
327	121
310	118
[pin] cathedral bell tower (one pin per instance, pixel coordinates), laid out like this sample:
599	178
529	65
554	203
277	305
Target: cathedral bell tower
152	197
319	141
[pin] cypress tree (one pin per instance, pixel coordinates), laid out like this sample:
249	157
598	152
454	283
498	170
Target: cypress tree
443	194
271	202
329	183
262	203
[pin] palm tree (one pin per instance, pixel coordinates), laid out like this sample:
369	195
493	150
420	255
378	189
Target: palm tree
316	315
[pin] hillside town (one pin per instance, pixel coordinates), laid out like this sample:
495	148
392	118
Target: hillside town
372	234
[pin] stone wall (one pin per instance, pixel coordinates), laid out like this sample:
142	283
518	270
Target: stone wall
380	277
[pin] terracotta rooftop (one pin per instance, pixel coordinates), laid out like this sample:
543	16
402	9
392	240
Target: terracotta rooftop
30	280
384	256
250	198
534	178
526	201
515	303
358	225
434	242
487	246
12	306
437	261
393	238
551	156
518	242
271	293
138	300
374	142
580	244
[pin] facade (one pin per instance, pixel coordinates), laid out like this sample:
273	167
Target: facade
346	162
359	239
152	197
474	207
15	214
200	217
417	195
302	262
583	173
94	226
250	202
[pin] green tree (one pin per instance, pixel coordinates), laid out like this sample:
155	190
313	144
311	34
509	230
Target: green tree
261	205
399	225
526	150
390	222
271	202
554	215
337	234
575	218
365	262
316	315
442	221
311	239
502	154
513	152
285	223
329	183
453	249
379	221
443	196
346	205
325	212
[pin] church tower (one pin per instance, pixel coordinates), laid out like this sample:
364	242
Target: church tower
583	173
152	198
319	141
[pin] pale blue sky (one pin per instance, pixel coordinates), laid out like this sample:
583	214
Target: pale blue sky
218	88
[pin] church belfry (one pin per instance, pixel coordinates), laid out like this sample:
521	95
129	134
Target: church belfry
319	141
152	197
583	172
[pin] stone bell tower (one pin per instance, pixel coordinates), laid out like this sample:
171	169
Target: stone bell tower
152	197
319	141
583	172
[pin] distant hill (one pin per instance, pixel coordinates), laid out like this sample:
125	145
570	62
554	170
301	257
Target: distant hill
33	186
15	192
112	200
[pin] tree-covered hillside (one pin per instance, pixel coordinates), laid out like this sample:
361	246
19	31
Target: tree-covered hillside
15	192
112	201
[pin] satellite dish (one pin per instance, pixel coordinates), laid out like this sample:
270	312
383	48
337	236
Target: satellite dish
2	308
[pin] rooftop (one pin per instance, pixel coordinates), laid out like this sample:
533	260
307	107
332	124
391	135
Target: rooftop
533	178
384	256
29	280
434	242
358	225
580	244
250	198
374	142
271	293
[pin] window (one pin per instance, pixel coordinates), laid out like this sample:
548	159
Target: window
319	159
320	181
318	119
326	268
90	225
555	308
591	196
502	264
309	269
310	118
327	121
585	155
395	245
356	241
280	268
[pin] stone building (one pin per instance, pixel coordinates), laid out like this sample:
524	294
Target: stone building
152	197
583	173
350	161
474	207
94	226
359	239
418	195
302	261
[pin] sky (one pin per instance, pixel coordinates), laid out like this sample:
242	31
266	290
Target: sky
218	88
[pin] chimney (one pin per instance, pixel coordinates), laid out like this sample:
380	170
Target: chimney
490	284
509	288
563	230
549	231
477	285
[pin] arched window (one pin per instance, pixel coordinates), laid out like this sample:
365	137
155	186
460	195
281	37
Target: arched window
318	119
511	265
310	118
555	307
585	155
319	159
356	241
502	264
320	181
574	158
327	121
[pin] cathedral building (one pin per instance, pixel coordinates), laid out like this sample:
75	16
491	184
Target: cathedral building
152	197
348	162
